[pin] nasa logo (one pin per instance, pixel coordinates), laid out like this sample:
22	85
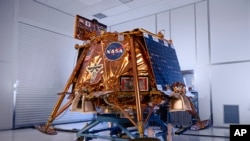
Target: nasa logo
114	51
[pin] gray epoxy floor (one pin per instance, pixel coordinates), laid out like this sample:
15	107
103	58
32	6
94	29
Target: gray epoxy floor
31	134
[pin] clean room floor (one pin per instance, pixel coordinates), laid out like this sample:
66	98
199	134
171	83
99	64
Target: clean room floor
31	134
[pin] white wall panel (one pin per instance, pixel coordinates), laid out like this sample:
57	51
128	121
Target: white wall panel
122	27
45	62
202	33
6	49
202	69
6	94
230	40
202	85
183	35
163	23
147	23
61	22
230	85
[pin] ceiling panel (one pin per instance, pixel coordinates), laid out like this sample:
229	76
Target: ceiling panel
54	3
141	3
116	11
99	7
90	2
74	5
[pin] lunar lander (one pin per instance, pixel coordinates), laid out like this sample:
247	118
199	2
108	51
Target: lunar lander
118	73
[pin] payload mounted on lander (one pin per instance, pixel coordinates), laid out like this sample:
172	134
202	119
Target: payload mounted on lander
118	72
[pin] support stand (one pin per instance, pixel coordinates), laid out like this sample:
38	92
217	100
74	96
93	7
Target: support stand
119	130
86	133
156	119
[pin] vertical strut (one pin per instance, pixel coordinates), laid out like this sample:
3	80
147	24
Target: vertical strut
136	86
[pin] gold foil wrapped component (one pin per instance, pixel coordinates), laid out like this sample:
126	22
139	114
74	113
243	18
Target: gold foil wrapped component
108	60
99	69
114	74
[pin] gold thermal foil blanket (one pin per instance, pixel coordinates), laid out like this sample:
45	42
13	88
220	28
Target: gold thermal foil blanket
107	60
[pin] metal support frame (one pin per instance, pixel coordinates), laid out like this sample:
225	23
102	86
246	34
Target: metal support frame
163	125
88	132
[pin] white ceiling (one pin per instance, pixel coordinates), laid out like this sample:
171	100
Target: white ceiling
116	11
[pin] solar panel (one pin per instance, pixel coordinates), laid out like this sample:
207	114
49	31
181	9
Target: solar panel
164	61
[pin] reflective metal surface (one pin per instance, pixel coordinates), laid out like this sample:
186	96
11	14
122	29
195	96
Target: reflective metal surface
209	134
